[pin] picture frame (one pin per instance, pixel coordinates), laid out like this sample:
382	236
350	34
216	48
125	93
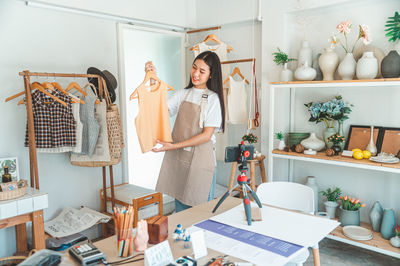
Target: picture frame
12	163
359	137
390	140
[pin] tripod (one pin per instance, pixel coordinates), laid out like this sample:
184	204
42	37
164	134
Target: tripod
242	180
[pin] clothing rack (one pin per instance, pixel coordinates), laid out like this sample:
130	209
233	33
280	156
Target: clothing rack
239	61
204	29
34	174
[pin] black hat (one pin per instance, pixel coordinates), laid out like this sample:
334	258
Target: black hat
111	81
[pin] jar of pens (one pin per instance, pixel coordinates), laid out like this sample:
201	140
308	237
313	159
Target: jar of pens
123	220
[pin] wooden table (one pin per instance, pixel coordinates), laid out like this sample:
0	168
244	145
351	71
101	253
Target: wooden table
17	212
187	218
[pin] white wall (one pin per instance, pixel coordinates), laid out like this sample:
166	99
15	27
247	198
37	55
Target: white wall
45	40
282	27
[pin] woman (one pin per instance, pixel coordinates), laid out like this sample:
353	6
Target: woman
188	169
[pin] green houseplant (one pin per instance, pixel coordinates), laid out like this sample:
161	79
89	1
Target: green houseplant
390	66
281	58
282	144
350	211
332	196
393	27
337	140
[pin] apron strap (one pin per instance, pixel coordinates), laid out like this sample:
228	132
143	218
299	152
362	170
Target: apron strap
203	105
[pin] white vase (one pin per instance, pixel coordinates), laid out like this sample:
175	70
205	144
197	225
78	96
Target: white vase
328	62
347	68
395	241
312	183
367	66
330	207
305	72
286	74
371	147
281	145
305	54
312	142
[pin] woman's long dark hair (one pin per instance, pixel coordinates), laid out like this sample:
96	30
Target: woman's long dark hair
214	83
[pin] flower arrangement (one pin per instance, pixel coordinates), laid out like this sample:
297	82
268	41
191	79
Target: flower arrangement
344	28
281	58
336	139
351	204
393	27
279	135
329	111
331	195
397	229
250	138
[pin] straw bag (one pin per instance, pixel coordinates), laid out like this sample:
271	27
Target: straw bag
114	135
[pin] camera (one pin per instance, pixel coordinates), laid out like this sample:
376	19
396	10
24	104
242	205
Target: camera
236	153
186	261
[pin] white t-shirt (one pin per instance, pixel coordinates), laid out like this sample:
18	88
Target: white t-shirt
213	117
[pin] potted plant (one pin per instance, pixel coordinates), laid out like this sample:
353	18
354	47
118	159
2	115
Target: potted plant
282	144
390	67
281	58
250	138
395	241
332	196
337	140
350	211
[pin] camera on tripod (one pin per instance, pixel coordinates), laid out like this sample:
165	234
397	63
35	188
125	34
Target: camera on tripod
237	153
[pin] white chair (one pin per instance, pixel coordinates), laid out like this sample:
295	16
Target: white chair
292	196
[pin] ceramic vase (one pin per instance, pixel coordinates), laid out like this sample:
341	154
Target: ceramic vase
388	224
312	183
305	72
337	149
305	54
328	62
329	131
395	241
371	147
390	67
281	145
341	133
347	68
349	217
286	74
367	66
313	143
316	67
375	216
330	207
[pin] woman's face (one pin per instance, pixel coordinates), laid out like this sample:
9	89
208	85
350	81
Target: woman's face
200	73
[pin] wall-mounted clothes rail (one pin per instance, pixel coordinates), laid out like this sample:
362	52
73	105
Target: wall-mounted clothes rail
204	29
239	61
34	174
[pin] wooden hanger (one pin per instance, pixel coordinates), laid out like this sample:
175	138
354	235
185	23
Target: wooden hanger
48	85
213	38
235	71
149	75
74	85
94	90
73	100
38	86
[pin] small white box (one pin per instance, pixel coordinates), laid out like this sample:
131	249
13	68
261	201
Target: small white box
24	206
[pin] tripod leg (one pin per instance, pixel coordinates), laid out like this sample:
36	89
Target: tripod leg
246	204
223	198
255	197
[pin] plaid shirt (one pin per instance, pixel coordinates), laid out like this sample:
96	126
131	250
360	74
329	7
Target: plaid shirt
54	123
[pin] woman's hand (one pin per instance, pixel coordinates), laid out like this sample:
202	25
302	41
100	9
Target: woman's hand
166	146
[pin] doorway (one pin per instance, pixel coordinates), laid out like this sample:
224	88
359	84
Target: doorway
137	45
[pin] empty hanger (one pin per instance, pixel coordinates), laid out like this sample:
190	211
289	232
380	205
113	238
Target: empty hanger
235	71
149	75
73	99
38	86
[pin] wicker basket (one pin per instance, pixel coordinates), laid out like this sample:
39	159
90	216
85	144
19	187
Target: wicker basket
7	195
15	260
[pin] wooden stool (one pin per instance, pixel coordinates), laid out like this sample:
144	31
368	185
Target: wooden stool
257	161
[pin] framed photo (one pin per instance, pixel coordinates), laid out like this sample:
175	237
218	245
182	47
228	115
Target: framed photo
390	140
12	164
359	137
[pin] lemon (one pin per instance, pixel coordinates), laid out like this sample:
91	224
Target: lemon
354	150
358	155
367	154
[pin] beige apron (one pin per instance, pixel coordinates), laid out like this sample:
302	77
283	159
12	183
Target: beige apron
186	174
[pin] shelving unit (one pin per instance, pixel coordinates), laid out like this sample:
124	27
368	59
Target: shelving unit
377	244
